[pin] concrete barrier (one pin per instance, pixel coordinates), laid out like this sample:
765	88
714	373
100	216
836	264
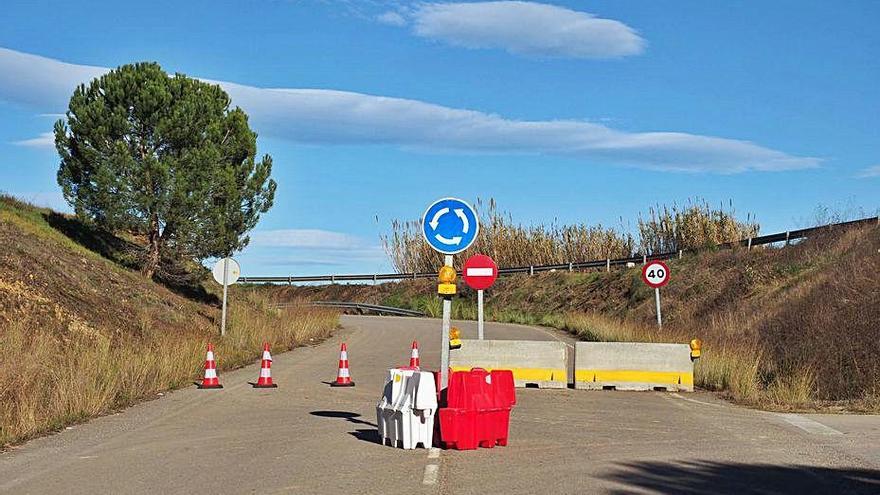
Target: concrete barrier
633	366
539	363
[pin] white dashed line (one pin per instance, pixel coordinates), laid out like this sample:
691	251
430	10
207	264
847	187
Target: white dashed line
431	471
674	394
808	425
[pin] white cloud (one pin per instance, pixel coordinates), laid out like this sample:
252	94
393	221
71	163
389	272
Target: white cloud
870	172
526	28
45	140
391	18
323	116
306	238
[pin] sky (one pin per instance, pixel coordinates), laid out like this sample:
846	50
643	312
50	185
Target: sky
587	111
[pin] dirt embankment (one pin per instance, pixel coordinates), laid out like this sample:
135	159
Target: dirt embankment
788	326
82	333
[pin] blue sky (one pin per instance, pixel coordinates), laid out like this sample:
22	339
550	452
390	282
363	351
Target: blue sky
577	111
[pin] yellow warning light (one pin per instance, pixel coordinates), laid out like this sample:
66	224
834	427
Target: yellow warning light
447	275
696	348
454	338
446	289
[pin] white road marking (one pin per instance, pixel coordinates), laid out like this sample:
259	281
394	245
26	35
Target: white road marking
675	394
807	424
431	471
433	453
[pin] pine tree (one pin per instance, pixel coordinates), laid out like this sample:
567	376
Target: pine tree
166	157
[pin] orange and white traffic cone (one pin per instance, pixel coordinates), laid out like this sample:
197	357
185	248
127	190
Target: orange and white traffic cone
414	356
210	380
343	377
265	380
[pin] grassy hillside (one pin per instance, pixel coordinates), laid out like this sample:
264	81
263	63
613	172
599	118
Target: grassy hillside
792	327
81	334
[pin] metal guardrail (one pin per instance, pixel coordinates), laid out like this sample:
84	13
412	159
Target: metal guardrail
373	308
606	263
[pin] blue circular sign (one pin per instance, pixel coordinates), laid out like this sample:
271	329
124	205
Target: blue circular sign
450	225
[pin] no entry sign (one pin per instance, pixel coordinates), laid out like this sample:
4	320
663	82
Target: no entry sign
655	274
479	272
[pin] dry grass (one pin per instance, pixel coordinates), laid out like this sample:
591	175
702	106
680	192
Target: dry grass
52	377
696	225
509	243
783	328
82	335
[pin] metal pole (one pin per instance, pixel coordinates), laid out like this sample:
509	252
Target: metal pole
225	288
444	335
657	299
480	314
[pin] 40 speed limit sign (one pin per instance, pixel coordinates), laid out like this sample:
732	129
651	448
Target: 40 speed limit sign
655	274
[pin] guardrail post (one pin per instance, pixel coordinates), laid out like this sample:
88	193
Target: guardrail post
374	279
787	234
608	265
332	279
531	270
570	266
750	244
414	275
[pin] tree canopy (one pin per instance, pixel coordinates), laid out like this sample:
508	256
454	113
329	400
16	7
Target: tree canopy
164	156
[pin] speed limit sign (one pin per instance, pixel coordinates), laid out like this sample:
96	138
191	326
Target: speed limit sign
655	274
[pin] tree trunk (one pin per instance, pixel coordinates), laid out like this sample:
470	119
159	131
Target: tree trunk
153	249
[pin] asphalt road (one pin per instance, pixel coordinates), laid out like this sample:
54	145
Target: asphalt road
306	437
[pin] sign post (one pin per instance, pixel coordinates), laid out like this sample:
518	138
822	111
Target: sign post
226	272
449	226
480	272
656	274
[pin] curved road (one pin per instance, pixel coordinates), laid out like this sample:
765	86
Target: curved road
306	437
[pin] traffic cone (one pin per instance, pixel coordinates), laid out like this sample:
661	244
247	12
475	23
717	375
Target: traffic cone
265	380
414	356
210	380
343	377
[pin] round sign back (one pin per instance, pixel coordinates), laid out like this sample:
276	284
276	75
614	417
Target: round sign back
655	274
479	272
233	271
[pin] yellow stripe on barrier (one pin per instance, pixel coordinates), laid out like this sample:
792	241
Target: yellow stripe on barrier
527	374
634	376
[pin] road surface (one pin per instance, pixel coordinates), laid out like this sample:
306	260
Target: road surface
306	437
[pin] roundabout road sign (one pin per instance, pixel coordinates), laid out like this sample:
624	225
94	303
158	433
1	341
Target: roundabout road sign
655	274
450	225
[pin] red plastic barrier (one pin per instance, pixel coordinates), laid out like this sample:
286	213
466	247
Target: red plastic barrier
477	412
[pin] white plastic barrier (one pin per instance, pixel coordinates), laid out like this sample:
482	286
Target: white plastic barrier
405	413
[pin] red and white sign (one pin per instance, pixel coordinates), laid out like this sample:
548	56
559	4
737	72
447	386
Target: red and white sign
655	274
479	272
